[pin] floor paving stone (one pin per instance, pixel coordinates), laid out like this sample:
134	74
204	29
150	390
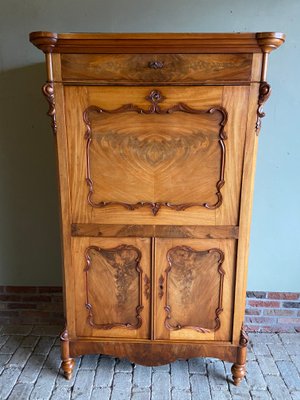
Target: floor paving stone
89	361
44	345
218	395
21	391
30	341
4	358
11	345
277	388
279	352
121	389
8	379
296	361
267	365
260	395
255	377
161	386
141	394
105	372
20	357
83	385
44	384
242	391
180	375
200	387
30	369
217	375
289	374
101	393
142	376
180	394
197	366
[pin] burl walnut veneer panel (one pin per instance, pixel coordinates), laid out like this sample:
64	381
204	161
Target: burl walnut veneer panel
156	140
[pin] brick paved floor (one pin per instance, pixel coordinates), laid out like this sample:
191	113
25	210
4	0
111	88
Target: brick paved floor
30	359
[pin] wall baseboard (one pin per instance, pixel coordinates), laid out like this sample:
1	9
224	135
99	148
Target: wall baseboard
43	305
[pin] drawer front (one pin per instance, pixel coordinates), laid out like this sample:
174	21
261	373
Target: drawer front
194	289
160	155
156	68
112	287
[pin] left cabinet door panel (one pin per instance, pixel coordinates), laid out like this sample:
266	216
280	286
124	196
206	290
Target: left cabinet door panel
112	287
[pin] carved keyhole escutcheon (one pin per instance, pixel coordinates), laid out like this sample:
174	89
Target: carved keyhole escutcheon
161	281
155	64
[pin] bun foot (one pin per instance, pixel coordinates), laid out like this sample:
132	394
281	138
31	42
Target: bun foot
238	373
68	366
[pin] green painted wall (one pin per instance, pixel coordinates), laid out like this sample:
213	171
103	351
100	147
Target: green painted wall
29	225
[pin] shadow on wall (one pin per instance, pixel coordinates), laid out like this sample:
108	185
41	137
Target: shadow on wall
29	228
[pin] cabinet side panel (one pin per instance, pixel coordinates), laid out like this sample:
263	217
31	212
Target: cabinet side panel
64	190
235	100
245	213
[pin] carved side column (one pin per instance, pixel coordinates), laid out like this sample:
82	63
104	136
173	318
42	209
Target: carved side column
239	368
67	362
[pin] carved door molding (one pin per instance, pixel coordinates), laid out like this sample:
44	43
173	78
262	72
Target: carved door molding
184	258
125	260
155	97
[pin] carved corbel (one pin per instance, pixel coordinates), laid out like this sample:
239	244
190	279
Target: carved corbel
264	94
48	91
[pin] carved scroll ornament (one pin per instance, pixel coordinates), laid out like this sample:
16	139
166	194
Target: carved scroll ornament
182	257
48	91
264	94
124	259
243	337
155	97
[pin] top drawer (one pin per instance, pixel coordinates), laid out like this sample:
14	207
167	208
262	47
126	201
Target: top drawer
156	68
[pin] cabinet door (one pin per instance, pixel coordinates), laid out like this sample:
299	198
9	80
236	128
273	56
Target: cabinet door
112	287
156	155
193	290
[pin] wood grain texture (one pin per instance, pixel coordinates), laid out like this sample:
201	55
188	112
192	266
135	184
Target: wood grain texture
118	302
137	163
111	299
184	269
188	274
174	68
151	353
247	187
173	231
112	98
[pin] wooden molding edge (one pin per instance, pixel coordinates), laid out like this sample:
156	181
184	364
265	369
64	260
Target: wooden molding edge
44	41
269	41
242	42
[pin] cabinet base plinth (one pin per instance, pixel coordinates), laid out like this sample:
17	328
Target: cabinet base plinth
154	353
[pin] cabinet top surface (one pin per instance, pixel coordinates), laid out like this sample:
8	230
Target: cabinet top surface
152	42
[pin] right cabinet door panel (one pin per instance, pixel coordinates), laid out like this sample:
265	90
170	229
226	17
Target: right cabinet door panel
194	289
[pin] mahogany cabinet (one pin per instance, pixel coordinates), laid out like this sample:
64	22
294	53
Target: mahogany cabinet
156	139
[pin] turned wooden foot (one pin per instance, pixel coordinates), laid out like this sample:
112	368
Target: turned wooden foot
68	366
67	362
238	373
